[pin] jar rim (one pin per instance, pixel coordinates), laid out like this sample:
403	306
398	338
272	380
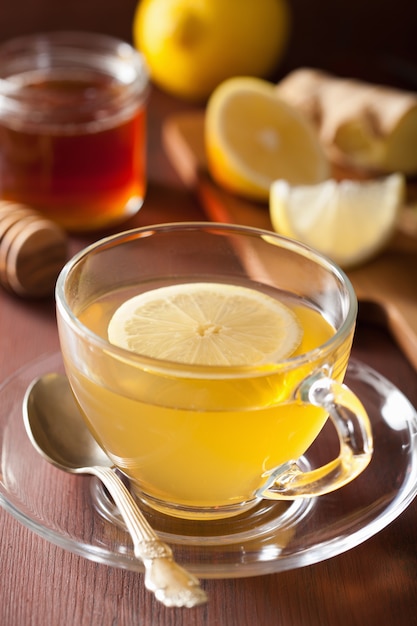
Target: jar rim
70	55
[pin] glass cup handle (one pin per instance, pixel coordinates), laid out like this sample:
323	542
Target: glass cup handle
355	436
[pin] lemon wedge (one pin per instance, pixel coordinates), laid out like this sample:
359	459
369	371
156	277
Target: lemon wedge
349	221
211	324
253	138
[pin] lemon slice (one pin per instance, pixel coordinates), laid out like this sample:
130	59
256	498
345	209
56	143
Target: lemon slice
206	324
349	221
253	138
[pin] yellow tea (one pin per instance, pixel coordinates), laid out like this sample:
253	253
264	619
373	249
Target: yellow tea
202	439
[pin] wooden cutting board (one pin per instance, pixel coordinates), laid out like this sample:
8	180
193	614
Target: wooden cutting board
386	287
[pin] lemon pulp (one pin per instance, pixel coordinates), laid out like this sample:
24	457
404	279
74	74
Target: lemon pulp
211	324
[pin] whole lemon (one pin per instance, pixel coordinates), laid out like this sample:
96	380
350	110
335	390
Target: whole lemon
191	46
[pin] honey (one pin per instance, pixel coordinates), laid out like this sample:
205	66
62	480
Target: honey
73	129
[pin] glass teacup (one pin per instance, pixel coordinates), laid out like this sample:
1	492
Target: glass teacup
210	441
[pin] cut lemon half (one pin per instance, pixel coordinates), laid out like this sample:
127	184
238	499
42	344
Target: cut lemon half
349	221
253	138
206	324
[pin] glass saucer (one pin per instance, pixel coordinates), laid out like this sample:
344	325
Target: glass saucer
71	511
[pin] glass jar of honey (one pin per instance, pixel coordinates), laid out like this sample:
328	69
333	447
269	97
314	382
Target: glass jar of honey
73	127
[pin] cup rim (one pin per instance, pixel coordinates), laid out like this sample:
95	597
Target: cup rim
205	371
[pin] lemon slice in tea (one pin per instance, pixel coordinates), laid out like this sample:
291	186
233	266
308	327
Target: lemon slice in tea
211	324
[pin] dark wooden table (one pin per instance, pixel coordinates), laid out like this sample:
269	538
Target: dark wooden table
43	585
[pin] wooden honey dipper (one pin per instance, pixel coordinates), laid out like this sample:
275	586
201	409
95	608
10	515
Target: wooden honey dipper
33	250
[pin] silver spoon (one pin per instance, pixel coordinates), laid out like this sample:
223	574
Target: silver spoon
56	429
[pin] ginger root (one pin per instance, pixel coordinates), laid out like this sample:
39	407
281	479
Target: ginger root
365	126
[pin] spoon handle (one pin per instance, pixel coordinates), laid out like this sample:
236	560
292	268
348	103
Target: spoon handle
171	583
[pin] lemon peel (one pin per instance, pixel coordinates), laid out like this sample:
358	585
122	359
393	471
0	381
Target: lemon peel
193	45
212	324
